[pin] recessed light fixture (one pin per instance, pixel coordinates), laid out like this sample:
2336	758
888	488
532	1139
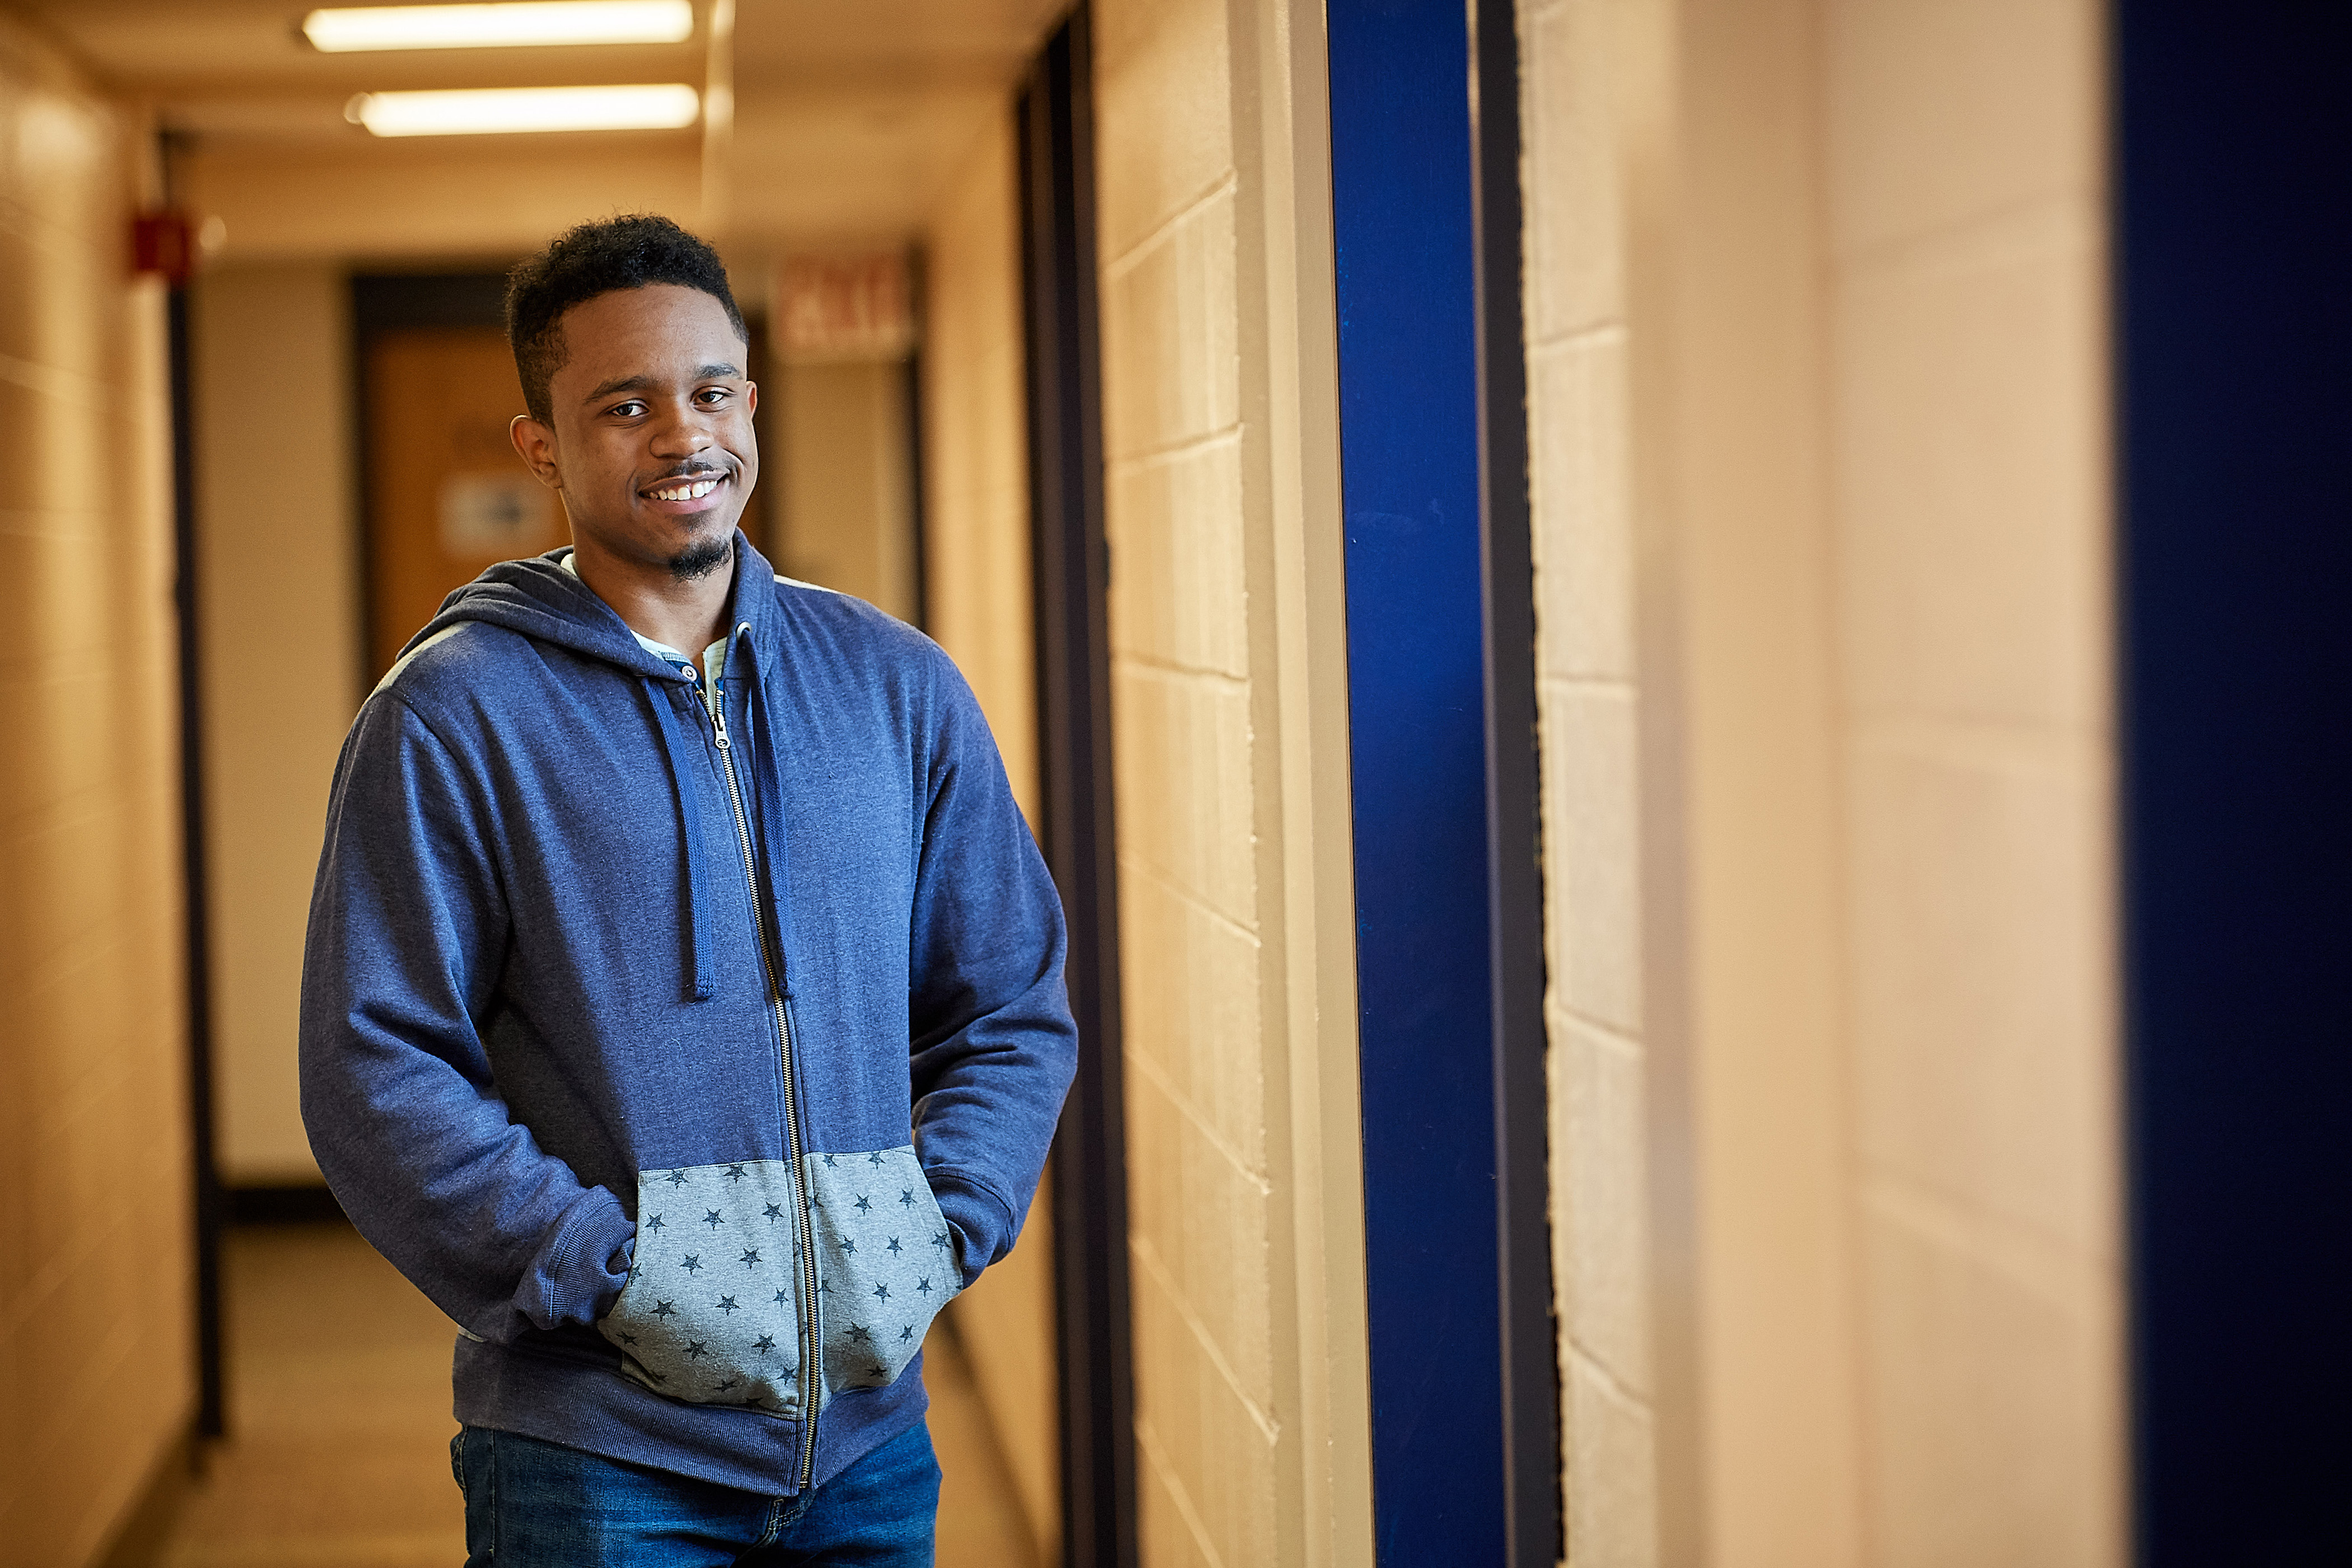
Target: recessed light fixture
490	27
653	107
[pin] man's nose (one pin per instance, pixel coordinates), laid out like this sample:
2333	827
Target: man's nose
681	433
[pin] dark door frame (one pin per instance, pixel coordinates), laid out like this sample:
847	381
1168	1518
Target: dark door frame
1534	1520
1054	127
209	1205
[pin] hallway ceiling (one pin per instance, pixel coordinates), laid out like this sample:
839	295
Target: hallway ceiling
850	117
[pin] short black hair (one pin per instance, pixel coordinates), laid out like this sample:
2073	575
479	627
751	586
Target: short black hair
625	252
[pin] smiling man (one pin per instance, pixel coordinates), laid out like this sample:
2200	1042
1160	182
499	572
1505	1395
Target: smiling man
682	1008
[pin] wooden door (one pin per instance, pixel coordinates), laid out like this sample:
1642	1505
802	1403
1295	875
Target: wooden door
446	495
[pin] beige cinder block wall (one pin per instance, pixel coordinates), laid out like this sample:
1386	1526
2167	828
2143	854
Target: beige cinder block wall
1228	710
277	569
1818	417
976	448
1596	103
977	567
97	1378
1968	398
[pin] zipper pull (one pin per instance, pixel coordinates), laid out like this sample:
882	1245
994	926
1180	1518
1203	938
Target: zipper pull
719	726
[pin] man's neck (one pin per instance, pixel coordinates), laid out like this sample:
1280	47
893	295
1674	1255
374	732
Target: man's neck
685	614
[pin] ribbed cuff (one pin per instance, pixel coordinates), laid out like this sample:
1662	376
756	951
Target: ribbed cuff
982	1222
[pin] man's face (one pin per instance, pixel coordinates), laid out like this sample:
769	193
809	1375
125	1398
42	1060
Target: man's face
651	446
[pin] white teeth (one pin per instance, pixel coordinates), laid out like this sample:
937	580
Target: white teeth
694	491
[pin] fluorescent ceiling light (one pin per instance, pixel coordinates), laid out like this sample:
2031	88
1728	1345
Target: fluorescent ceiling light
500	25
662	107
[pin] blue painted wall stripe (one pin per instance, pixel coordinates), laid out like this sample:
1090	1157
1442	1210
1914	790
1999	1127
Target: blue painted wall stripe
1401	174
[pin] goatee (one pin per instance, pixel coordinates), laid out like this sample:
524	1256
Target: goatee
701	559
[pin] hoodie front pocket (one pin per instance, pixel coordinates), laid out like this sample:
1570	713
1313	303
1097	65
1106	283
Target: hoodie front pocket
886	1263
710	1313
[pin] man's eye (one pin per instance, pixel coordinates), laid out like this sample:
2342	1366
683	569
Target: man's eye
628	410
715	395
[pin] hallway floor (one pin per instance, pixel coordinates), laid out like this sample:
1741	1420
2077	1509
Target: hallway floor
339	1378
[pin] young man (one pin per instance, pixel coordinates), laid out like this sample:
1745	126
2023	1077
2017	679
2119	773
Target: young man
682	1008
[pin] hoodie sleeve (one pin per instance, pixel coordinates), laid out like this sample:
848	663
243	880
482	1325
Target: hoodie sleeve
408	931
993	1042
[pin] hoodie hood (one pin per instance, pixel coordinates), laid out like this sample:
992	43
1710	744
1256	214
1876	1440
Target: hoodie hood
538	598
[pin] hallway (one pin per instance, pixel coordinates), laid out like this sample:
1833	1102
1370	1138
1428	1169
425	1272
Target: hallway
1702	825
339	1415
855	167
339	1448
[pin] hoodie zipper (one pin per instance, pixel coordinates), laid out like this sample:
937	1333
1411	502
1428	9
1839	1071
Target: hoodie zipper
811	1331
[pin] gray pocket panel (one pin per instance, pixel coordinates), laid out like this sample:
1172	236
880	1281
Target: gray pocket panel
709	1313
886	1262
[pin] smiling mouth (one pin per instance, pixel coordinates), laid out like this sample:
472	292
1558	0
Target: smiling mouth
688	490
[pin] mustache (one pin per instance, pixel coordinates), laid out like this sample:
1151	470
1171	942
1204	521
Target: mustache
693	471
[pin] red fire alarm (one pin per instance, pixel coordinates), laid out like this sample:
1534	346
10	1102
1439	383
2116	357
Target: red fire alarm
163	242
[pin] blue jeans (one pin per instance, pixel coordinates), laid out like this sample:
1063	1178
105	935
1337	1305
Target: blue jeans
531	1504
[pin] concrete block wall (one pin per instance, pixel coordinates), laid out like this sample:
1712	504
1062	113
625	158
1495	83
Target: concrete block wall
1818	385
1578	101
1226	655
1198	1180
976	446
1967	391
977	563
96	1379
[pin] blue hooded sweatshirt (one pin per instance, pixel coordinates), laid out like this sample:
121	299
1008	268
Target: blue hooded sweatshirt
690	1062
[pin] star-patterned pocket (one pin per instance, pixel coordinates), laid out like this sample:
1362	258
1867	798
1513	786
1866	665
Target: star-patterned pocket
710	1312
886	1263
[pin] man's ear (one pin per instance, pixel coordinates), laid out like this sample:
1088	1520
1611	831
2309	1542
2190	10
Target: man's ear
536	442
751	397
